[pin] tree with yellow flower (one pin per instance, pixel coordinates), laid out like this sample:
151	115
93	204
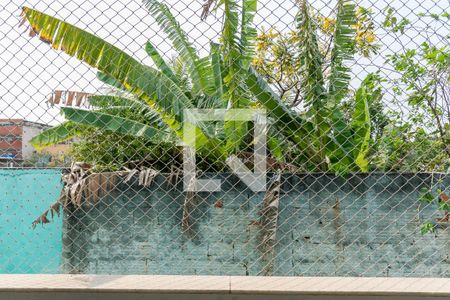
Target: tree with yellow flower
308	66
277	56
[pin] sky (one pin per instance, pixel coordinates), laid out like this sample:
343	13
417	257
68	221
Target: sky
30	70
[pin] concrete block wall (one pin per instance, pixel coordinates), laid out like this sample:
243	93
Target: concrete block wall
362	225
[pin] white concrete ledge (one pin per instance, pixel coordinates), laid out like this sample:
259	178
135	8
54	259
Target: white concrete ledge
218	287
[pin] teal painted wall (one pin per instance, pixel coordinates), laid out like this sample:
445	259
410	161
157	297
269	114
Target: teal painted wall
24	195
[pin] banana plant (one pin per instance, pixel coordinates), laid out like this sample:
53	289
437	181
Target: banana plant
341	144
223	79
157	90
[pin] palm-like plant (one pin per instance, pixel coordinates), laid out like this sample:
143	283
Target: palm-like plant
223	79
341	143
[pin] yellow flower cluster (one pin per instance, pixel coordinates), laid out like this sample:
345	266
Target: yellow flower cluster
326	24
363	37
265	39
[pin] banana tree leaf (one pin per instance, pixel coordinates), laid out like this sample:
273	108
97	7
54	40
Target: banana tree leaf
110	103
232	55
55	135
312	82
199	68
110	81
248	32
276	147
361	128
340	148
343	50
233	59
287	121
313	86
114	123
217	70
235	133
148	84
274	105
159	62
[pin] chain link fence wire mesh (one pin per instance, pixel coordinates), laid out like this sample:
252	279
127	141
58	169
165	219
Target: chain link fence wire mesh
104	94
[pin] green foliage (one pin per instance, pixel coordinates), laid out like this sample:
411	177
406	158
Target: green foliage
361	128
284	58
55	135
160	94
110	151
149	85
160	63
199	68
427	227
391	21
444	206
114	124
336	129
414	134
248	32
339	152
237	49
314	77
365	40
343	50
429	196
424	75
217	67
426	195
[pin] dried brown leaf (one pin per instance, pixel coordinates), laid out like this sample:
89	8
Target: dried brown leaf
57	97
254	222
188	206
22	21
444	197
32	33
42	219
269	222
103	184
95	186
55	209
206	9
70	97
80	96
130	175
173	177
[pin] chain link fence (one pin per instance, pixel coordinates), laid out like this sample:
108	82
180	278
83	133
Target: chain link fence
231	137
